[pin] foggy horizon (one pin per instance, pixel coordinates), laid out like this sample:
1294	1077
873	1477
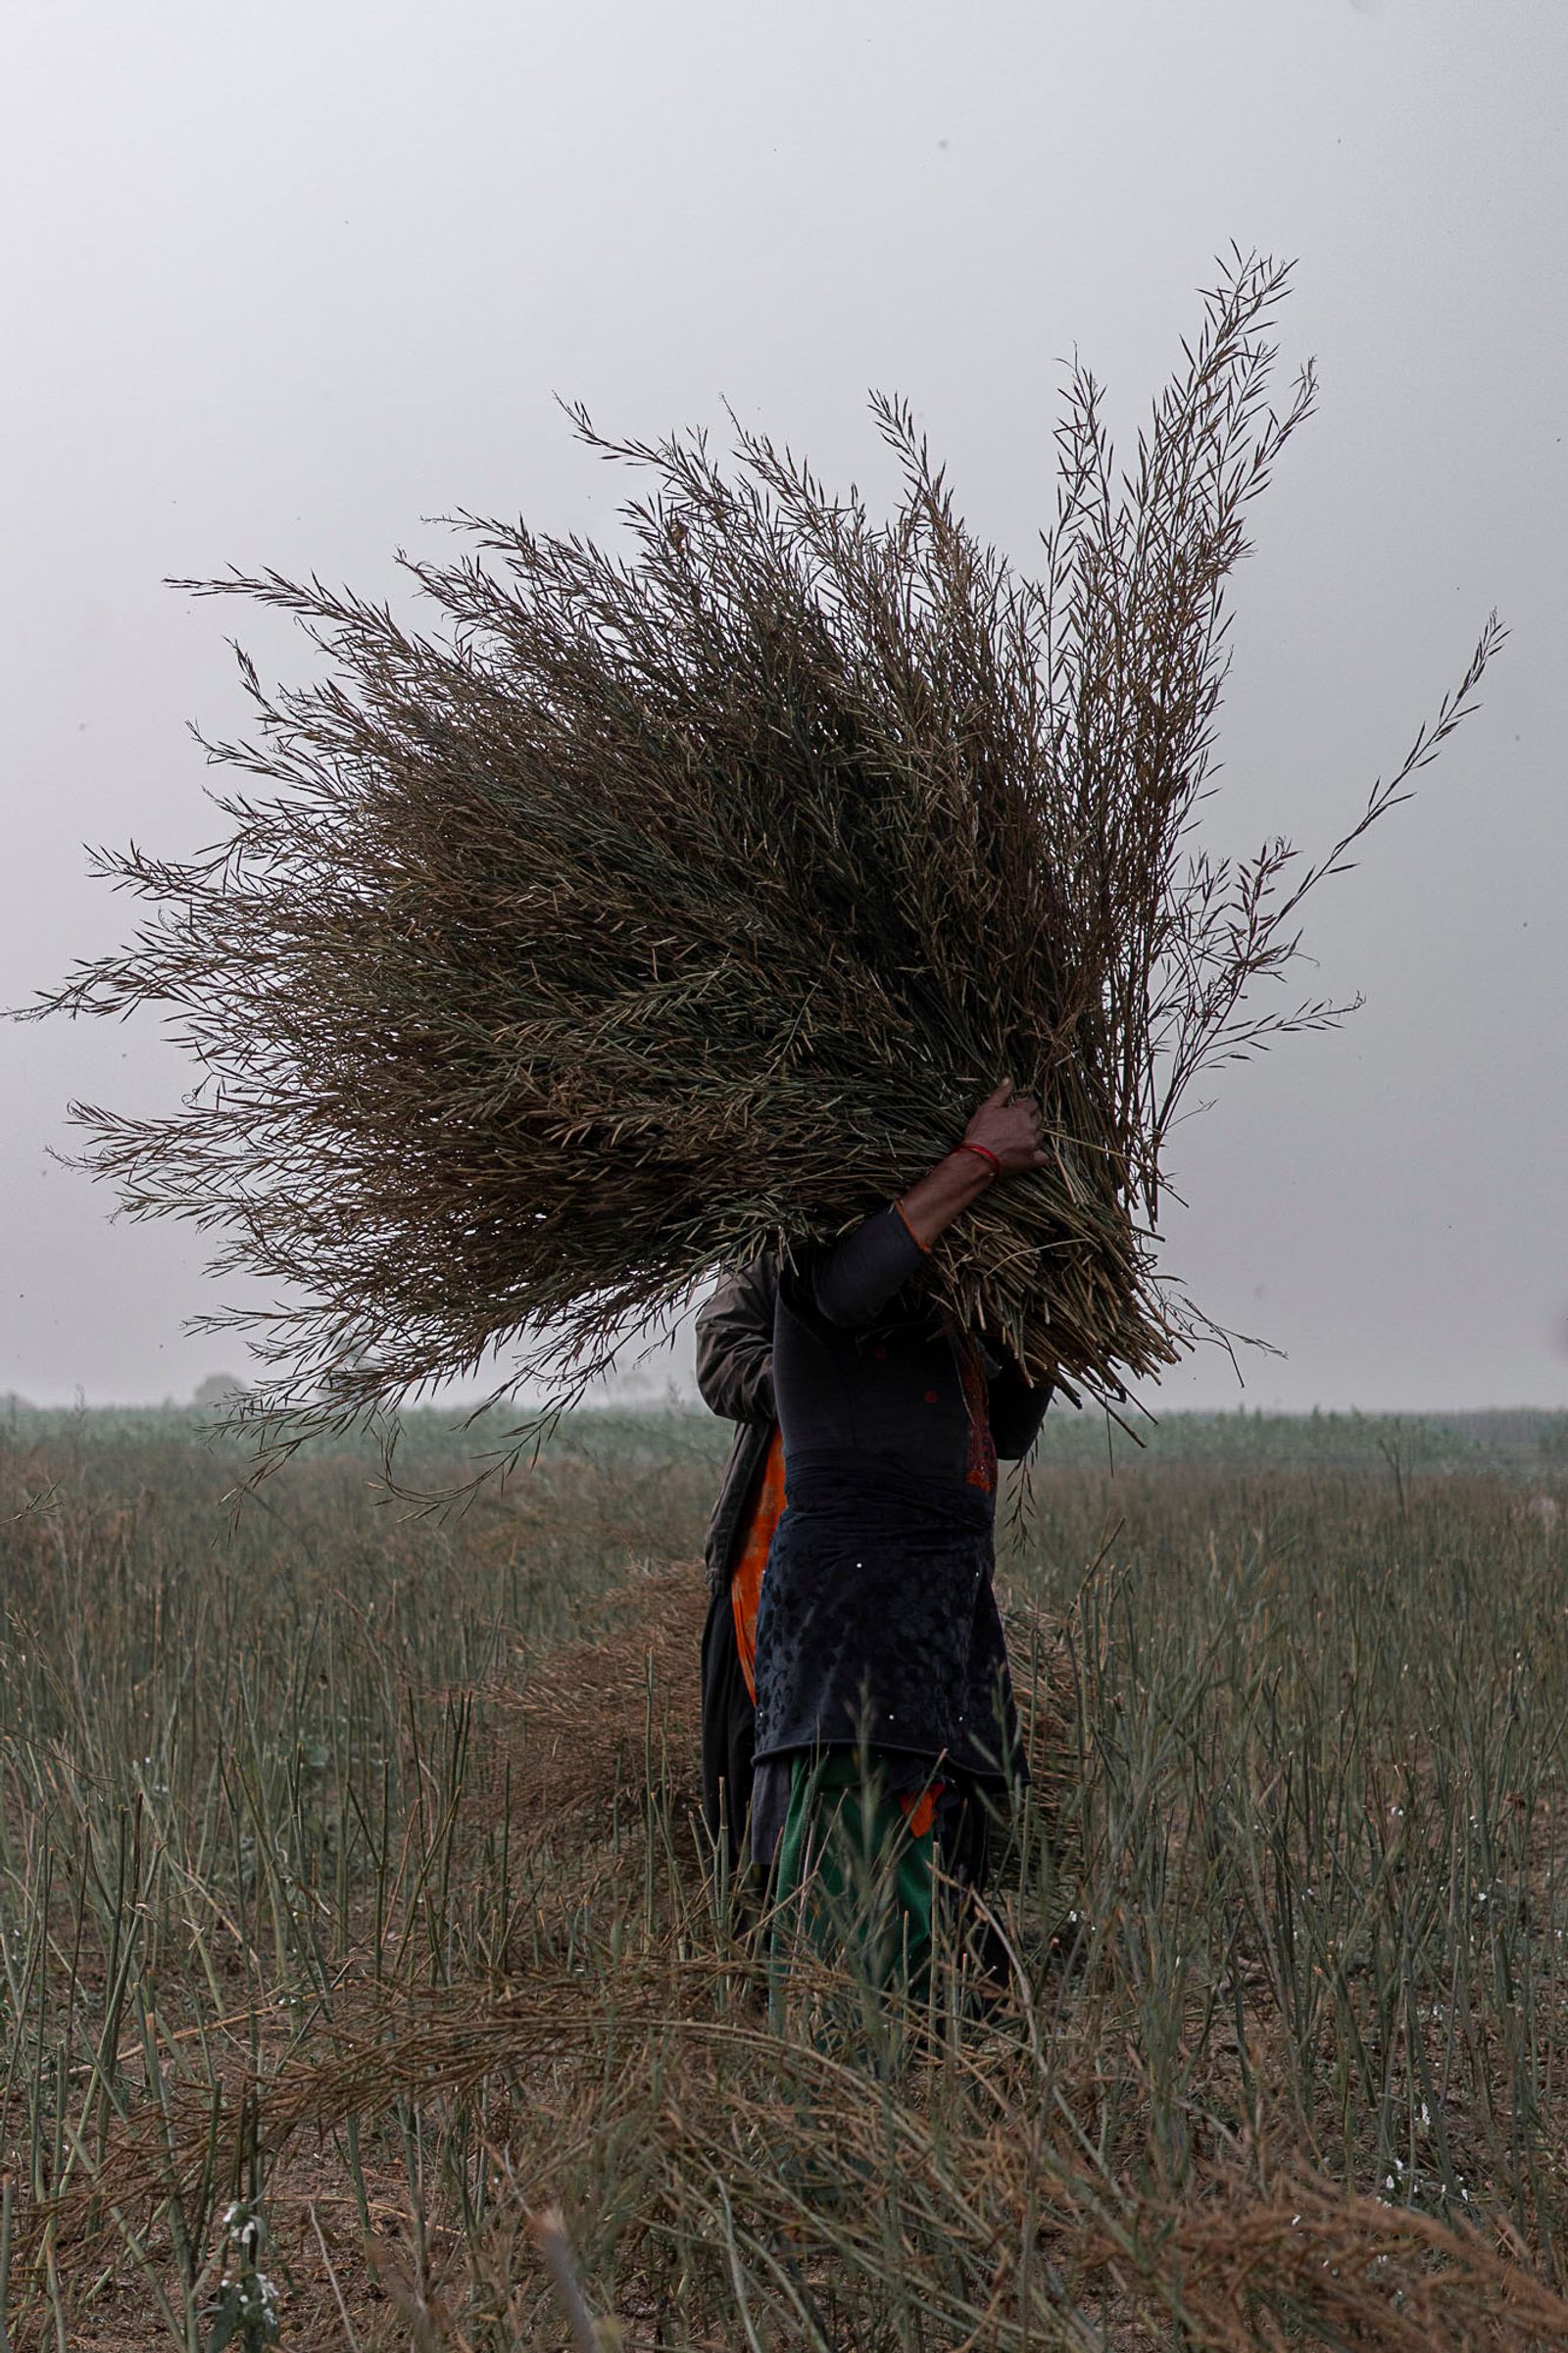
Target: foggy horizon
284	290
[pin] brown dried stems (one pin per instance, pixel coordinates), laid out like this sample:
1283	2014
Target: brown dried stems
657	909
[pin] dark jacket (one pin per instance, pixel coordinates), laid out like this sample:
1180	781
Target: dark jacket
865	1371
877	1621
735	1376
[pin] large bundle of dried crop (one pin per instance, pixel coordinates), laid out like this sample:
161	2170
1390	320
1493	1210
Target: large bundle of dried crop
655	908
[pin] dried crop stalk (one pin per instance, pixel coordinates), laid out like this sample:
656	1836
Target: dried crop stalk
649	910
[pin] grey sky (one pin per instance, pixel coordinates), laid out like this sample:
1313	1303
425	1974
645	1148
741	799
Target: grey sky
282	281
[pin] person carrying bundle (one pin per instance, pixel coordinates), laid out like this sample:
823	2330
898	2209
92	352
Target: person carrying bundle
885	1723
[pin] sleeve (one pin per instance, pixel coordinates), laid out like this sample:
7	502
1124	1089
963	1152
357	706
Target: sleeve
853	1281
1017	1410
735	1344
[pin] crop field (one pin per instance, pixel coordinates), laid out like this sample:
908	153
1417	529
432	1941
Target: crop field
368	1982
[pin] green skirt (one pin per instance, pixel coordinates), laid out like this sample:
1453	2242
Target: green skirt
855	1875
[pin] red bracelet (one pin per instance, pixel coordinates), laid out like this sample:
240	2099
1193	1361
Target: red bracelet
989	1157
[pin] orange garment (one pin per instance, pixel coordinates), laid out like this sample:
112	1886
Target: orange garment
980	1455
919	1807
746	1586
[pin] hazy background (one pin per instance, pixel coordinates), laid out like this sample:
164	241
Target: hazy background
280	282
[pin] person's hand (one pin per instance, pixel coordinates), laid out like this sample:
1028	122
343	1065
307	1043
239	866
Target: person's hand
1007	1126
1005	1136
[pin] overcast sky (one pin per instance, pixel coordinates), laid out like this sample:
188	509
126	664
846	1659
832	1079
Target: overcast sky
282	281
